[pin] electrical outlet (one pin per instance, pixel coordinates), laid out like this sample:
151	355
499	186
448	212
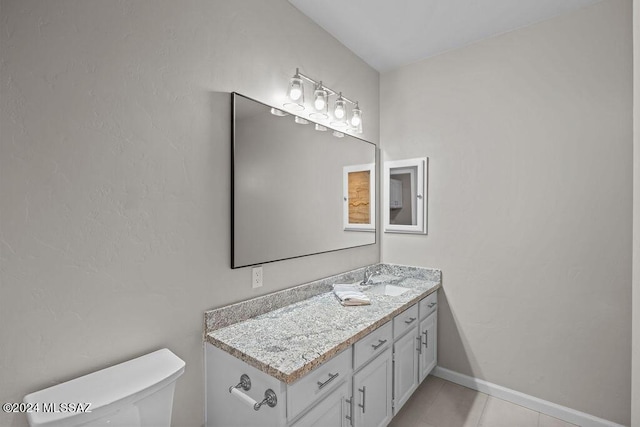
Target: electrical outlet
256	277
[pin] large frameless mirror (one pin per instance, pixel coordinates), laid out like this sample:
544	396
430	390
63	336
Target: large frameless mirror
296	191
405	196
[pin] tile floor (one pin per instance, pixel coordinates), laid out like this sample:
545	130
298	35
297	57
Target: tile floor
440	403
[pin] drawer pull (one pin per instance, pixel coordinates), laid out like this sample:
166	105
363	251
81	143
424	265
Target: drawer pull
331	378
426	338
380	344
349	417
433	304
364	396
410	321
419	349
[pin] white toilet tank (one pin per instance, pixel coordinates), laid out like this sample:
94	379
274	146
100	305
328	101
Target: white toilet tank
134	393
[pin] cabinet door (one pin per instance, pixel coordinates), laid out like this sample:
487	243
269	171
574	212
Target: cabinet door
428	341
372	388
334	410
405	368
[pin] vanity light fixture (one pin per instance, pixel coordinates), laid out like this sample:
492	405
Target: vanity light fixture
339	115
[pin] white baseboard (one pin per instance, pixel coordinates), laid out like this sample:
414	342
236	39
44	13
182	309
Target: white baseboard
557	411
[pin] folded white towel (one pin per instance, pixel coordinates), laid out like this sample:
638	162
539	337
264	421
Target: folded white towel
350	295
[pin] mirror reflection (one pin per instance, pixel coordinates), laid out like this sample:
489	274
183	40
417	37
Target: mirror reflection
288	187
359	197
405	196
402	193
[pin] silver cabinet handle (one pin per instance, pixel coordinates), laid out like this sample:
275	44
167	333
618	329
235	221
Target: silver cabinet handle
350	416
380	344
364	396
426	338
432	304
331	378
411	320
419	349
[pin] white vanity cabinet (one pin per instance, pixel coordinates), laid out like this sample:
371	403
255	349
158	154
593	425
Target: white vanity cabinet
365	385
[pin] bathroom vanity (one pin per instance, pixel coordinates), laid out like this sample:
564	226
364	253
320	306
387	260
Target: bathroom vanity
298	357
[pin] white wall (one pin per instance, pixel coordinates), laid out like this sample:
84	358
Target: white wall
635	387
114	176
529	136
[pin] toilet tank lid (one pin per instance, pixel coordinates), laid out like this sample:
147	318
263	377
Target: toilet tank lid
108	388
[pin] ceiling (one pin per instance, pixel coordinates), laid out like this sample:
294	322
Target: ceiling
390	33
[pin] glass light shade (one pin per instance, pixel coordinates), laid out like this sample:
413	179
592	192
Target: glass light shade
295	93
340	113
301	121
278	113
320	103
356	119
338	134
296	89
321	128
320	98
339	110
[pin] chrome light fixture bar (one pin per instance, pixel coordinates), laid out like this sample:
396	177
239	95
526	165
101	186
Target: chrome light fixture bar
320	109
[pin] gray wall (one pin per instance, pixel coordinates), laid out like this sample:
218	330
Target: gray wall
635	388
529	139
115	176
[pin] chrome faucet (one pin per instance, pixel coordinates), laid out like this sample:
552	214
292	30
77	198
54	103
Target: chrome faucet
368	275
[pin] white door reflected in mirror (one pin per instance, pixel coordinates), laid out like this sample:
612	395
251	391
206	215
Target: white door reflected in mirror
404	201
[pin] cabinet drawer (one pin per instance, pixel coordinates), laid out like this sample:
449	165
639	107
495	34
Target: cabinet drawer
428	305
318	383
404	321
333	411
372	345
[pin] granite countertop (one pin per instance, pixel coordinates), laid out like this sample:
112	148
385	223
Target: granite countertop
290	341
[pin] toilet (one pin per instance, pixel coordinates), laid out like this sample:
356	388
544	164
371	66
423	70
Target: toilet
138	392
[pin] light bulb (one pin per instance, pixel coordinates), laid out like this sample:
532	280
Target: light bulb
355	120
339	110
320	99
295	93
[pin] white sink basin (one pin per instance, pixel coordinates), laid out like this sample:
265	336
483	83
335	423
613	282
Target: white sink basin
389	290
